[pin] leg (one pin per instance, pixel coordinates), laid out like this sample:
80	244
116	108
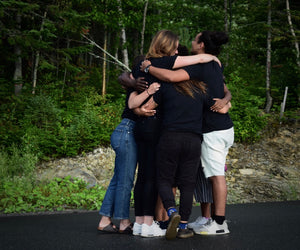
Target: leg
219	194
117	198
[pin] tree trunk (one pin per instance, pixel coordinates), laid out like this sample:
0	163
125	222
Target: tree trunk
66	70
226	27
268	66
293	32
37	57
143	29
104	66
18	77
225	16
123	36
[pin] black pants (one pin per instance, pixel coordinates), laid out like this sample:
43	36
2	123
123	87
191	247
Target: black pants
145	190
178	155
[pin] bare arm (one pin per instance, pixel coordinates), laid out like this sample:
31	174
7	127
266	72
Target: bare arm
135	99
182	61
169	75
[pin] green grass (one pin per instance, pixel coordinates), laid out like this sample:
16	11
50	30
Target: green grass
57	195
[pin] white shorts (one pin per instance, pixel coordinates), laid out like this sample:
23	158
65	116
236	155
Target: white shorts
214	150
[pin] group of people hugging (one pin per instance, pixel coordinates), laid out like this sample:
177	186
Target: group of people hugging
176	129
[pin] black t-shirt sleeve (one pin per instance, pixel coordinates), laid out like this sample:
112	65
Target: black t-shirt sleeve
194	71
166	62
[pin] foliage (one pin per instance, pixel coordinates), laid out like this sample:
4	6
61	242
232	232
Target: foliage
18	162
19	191
246	114
57	195
76	123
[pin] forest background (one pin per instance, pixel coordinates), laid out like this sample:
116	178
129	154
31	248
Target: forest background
60	61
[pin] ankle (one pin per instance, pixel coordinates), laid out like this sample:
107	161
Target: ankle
218	219
105	220
171	210
182	225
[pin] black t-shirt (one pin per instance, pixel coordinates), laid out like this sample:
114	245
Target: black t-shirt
212	75
166	62
127	112
181	113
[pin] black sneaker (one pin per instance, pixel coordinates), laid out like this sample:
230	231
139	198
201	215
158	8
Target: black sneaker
185	233
172	227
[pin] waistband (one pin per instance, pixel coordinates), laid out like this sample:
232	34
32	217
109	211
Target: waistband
127	122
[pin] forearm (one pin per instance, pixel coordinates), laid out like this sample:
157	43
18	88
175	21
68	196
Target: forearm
227	93
169	75
136	100
182	61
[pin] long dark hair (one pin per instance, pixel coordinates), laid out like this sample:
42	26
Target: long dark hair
212	41
190	87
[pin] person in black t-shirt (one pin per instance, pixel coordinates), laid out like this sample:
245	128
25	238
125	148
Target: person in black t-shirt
218	133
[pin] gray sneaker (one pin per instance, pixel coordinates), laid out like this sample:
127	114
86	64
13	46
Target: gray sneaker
200	221
212	228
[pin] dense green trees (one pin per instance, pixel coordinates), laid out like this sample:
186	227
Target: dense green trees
54	81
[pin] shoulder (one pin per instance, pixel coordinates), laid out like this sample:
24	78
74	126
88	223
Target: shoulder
163	62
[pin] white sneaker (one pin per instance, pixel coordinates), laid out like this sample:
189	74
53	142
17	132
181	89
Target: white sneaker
212	228
137	229
198	222
152	231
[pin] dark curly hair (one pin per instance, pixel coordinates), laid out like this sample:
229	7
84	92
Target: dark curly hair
213	40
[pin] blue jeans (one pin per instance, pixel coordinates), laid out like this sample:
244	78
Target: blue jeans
116	202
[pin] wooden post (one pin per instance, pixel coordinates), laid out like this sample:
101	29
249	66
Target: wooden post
283	103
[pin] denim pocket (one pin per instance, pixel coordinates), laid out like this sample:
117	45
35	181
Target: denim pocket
116	137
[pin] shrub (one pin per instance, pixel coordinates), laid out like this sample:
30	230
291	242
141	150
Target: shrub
246	114
57	195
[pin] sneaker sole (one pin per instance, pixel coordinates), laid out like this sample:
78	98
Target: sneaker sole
184	236
171	232
147	235
221	232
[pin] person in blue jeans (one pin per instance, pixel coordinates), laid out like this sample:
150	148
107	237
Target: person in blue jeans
116	202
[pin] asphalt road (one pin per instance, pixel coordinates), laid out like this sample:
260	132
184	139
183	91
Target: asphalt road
264	226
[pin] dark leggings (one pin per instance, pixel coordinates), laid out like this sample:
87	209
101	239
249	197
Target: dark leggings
178	154
145	191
